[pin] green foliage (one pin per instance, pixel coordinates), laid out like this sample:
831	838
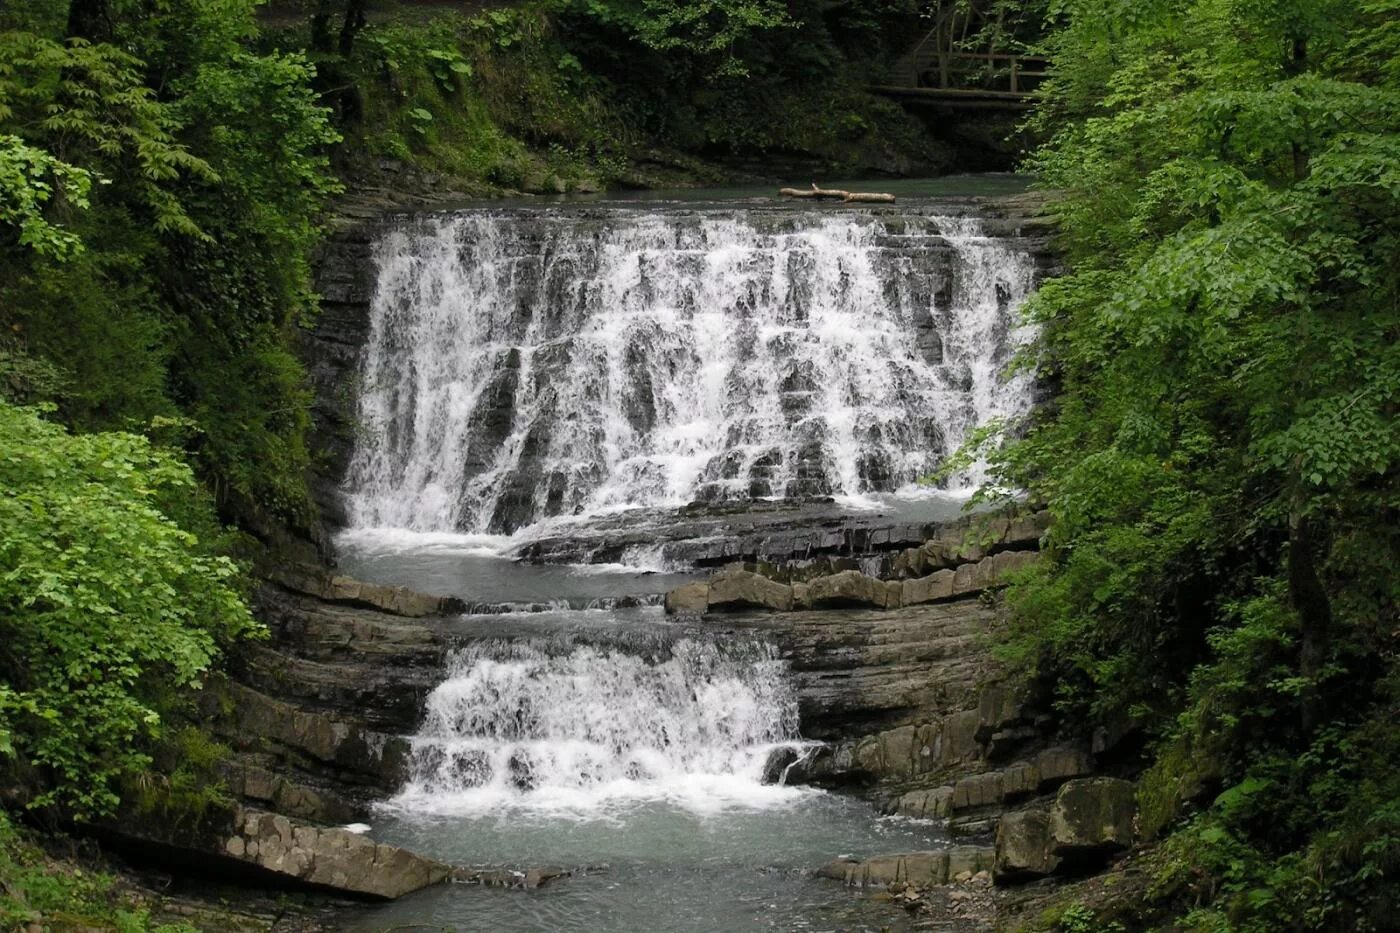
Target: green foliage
1222	461
41	890
29	179
186	270
107	607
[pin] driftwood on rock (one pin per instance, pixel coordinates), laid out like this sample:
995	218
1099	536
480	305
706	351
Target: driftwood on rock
834	194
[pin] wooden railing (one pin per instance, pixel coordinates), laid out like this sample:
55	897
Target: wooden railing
941	67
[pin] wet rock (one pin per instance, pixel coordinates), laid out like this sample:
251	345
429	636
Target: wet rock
689	597
396	600
521	879
333	858
775	769
1023	846
734	589
1092	817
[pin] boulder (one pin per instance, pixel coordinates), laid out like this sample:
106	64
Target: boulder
850	588
735	588
689	597
1092	817
1023	846
333	858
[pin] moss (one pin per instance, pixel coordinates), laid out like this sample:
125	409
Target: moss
63	894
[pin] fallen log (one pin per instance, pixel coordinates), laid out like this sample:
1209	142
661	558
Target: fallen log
835	194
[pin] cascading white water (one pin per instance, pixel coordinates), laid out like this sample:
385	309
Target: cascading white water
548	725
524	364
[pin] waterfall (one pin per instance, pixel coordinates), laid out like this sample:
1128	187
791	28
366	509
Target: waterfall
550	725
524	364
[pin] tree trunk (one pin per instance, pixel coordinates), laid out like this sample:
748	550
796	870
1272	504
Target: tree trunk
321	27
834	194
1310	601
350	28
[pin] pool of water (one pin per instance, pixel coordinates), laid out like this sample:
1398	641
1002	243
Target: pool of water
479	569
745	864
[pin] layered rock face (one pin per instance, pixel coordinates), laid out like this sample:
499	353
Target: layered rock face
894	674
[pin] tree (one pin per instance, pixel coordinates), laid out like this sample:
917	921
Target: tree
1222	462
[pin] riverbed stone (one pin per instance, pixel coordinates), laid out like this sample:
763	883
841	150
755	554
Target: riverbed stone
688	597
1092	816
735	588
920	869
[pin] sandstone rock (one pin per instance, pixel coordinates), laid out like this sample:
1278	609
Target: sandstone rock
1006	742
997	708
927	589
897	751
689	597
911	562
926	804
734	588
960	737
920	869
978	790
397	600
1092	817
848	588
338	743
1055	765
1023	846
333	858
1019	778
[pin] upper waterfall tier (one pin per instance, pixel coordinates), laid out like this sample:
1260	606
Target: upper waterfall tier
531	363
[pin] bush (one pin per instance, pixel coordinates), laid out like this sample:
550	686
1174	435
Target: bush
108	609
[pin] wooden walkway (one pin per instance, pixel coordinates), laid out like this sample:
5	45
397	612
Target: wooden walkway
941	70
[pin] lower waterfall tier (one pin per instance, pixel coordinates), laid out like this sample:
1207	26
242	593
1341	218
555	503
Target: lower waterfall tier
548	725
